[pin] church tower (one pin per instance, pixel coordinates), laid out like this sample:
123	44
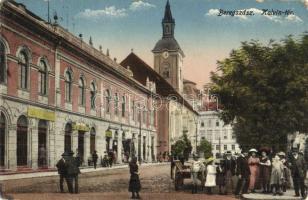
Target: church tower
168	55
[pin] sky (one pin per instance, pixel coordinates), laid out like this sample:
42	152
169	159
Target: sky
205	37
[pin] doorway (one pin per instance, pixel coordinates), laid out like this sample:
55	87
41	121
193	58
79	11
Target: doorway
22	141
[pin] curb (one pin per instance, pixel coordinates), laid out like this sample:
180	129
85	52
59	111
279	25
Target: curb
55	173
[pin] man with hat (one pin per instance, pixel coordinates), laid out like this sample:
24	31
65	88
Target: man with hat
72	173
228	167
62	170
298	170
243	173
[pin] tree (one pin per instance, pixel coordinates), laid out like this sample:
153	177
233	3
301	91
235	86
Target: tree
263	91
182	147
206	148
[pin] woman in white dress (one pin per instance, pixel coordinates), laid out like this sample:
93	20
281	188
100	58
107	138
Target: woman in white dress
210	175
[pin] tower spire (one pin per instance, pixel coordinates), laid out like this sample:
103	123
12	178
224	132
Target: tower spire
168	22
168	15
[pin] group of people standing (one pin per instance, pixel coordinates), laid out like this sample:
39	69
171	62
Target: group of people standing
68	169
271	172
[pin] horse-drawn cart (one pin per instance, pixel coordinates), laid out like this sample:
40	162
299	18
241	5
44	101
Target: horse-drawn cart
184	172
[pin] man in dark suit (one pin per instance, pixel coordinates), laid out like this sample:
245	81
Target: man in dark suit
243	173
298	169
62	170
228	168
72	173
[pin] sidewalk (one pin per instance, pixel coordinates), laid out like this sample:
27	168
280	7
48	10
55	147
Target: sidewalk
55	172
289	195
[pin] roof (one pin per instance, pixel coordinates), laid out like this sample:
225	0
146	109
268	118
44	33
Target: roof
189	81
167	43
163	88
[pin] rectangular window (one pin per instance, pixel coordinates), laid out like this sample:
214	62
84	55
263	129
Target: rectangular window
217	134
233	147
217	123
225	134
225	147
217	147
233	136
210	135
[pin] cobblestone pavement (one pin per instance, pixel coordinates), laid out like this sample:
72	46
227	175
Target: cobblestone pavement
111	184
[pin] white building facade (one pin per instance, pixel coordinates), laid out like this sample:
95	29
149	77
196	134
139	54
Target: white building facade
214	130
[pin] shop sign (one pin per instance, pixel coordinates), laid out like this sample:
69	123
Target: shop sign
41	114
108	133
80	127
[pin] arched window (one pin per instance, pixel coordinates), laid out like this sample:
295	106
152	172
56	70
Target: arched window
116	104
92	95
123	106
67	137
92	140
2	63
2	139
24	66
43	72
81	92
68	86
108	98
22	141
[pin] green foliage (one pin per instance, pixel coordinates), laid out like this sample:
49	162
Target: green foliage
263	91
182	147
206	148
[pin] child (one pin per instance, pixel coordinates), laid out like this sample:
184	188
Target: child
210	175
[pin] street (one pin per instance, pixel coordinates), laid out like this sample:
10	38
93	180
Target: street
109	184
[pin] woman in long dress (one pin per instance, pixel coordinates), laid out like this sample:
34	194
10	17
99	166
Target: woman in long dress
134	182
253	163
210	175
265	168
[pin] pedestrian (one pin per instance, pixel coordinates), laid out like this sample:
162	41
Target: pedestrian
105	162
62	170
243	174
298	170
134	182
72	172
286	172
196	167
228	167
253	163
277	175
265	168
110	157
220	177
94	158
210	175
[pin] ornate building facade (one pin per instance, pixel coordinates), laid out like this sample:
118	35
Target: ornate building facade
58	93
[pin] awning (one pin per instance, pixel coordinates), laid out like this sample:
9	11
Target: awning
80	126
108	133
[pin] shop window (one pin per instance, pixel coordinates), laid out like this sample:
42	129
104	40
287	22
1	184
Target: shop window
67	137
